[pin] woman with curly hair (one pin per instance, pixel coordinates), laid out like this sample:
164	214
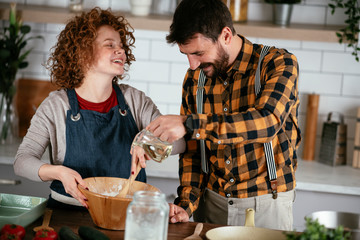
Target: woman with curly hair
90	122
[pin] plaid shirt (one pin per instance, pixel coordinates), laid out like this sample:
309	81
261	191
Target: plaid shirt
236	123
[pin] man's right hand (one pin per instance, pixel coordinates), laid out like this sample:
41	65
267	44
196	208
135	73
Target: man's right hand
177	214
168	127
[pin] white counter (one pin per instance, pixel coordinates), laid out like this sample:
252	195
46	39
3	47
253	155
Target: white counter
319	177
310	175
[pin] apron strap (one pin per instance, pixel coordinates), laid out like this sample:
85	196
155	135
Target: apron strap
199	105
121	101
74	105
268	149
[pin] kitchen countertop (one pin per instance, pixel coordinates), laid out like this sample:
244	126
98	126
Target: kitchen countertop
310	175
74	219
319	177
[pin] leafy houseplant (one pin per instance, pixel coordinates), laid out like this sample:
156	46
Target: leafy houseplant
316	231
12	42
350	33
282	10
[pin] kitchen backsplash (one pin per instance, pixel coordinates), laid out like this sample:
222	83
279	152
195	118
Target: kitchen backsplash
326	68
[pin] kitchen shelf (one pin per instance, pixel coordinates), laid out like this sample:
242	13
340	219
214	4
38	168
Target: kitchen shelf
306	32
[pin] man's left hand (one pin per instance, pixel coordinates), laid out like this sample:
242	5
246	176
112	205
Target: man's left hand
168	127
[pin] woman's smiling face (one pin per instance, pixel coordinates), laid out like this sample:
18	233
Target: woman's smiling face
109	55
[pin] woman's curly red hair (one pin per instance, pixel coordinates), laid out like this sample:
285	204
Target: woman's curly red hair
73	53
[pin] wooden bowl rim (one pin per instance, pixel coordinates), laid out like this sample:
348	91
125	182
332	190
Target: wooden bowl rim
83	190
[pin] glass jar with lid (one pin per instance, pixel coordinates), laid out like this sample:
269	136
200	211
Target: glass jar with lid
147	216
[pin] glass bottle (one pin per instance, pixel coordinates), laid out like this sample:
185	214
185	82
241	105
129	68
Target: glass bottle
157	149
147	216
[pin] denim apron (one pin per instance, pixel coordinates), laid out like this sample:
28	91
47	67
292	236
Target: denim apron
98	144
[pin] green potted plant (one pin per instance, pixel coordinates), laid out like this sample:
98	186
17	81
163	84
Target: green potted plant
316	231
350	33
12	43
282	10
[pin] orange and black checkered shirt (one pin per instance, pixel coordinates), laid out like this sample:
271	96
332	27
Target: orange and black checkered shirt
236	123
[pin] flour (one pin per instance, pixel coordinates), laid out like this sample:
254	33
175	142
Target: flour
113	191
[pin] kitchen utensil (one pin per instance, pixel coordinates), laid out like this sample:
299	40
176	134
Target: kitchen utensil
9	182
333	141
128	184
311	125
196	234
46	221
333	219
155	148
249	231
106	210
356	156
19	209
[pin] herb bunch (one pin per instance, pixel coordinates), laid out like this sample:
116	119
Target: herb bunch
349	34
316	231
12	42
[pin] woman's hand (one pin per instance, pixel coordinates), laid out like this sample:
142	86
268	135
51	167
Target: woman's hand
138	157
69	178
177	214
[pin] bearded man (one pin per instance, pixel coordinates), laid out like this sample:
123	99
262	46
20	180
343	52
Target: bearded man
241	127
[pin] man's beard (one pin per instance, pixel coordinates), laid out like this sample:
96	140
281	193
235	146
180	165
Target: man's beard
219	66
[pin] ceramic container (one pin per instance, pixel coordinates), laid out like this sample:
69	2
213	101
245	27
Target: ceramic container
140	7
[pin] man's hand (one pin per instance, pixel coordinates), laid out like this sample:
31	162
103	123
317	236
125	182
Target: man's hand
168	127
177	214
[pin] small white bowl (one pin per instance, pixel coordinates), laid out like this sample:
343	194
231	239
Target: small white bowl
140	7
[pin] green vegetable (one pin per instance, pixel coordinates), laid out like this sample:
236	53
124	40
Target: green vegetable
90	233
316	231
66	233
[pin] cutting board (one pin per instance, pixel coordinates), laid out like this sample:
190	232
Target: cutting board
29	94
356	157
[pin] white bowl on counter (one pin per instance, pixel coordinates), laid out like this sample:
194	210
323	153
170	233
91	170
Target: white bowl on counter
140	7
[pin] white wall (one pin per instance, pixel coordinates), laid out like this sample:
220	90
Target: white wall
325	68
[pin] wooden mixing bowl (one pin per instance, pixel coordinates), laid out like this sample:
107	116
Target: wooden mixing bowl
106	211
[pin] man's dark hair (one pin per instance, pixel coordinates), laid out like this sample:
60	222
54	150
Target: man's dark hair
207	17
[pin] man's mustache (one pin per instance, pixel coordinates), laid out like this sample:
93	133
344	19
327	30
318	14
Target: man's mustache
204	65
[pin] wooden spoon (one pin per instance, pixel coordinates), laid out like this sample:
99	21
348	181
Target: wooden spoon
126	188
46	221
196	234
